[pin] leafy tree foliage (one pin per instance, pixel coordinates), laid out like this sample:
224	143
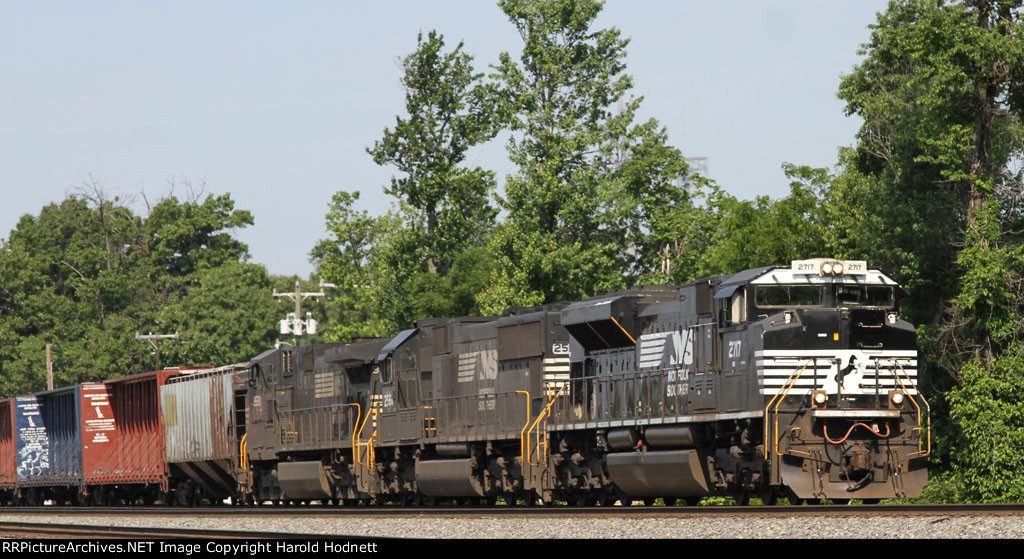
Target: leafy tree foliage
85	275
940	94
590	183
408	264
347	259
939	91
449	112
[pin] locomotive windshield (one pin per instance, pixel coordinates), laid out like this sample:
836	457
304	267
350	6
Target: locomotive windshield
790	295
843	296
865	296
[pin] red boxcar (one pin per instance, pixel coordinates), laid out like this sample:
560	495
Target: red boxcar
8	471
123	439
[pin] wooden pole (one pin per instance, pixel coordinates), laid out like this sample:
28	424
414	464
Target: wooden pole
49	369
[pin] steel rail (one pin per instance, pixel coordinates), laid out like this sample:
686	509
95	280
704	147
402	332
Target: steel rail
37	529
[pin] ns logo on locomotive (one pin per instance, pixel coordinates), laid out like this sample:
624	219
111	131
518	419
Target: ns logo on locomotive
792	381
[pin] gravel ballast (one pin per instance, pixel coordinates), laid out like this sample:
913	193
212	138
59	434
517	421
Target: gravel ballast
890	527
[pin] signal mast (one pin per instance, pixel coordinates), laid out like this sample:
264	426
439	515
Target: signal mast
292	323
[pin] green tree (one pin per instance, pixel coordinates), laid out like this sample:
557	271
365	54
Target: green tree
449	112
346	258
227	315
86	274
412	262
940	92
590	183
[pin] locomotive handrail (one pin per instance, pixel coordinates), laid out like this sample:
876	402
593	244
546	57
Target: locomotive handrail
359	411
543	413
243	457
359	436
524	433
650	397
913	401
786	387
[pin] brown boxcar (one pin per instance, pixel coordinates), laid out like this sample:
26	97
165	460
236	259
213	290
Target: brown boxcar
129	462
99	434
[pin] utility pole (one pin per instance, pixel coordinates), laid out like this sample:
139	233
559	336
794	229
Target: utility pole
49	369
156	346
292	323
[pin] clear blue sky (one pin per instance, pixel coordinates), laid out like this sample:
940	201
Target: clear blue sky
275	102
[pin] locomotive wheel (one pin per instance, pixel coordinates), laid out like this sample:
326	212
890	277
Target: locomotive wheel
871	501
692	501
649	501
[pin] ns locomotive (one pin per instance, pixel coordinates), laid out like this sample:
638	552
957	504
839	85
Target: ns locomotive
797	382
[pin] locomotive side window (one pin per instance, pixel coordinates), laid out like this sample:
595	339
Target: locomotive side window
865	296
769	296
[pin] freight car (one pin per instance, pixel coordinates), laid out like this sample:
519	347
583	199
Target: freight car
797	382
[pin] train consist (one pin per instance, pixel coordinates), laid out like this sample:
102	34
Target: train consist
796	382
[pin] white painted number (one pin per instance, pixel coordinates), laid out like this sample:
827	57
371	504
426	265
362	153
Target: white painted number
734	349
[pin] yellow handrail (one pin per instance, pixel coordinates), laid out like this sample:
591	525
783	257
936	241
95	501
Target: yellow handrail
524	434
359	412
243	457
913	401
787	386
359	436
540	416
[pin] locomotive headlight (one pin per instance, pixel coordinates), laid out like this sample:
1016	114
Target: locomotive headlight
896	398
818	399
826	268
837	269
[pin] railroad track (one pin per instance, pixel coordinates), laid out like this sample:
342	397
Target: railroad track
456	511
43	530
